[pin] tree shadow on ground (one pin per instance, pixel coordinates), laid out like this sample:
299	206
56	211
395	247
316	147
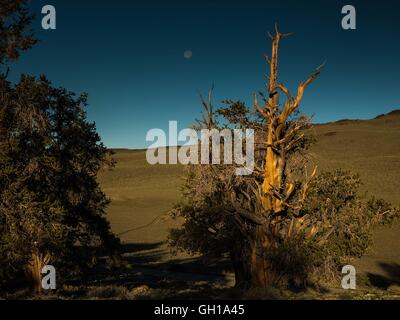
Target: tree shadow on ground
144	253
391	277
150	265
158	256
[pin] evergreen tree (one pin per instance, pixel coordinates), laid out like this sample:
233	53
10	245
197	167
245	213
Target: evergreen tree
283	224
51	205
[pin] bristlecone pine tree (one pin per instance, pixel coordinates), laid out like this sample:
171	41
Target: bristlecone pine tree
277	188
263	204
51	205
275	233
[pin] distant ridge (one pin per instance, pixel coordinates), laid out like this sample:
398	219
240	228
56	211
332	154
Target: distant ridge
395	112
126	149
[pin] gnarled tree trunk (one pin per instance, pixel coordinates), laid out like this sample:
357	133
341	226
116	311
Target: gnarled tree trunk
260	203
36	264
282	137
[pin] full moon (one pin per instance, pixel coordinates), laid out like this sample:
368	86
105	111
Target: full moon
188	54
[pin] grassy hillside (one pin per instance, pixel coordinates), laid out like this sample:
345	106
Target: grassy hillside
371	148
142	194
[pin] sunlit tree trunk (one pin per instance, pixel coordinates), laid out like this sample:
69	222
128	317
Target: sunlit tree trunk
281	138
35	267
258	216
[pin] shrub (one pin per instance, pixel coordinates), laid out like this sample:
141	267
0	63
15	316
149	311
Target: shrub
345	219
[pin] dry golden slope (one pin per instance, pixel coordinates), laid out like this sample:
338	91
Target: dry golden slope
141	193
371	148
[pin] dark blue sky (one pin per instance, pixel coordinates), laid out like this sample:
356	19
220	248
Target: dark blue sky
129	57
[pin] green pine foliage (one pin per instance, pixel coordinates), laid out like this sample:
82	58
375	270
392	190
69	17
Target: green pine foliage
51	204
15	35
52	209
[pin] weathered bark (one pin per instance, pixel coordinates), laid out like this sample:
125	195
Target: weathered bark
36	264
260	204
251	262
281	138
239	267
259	266
272	174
